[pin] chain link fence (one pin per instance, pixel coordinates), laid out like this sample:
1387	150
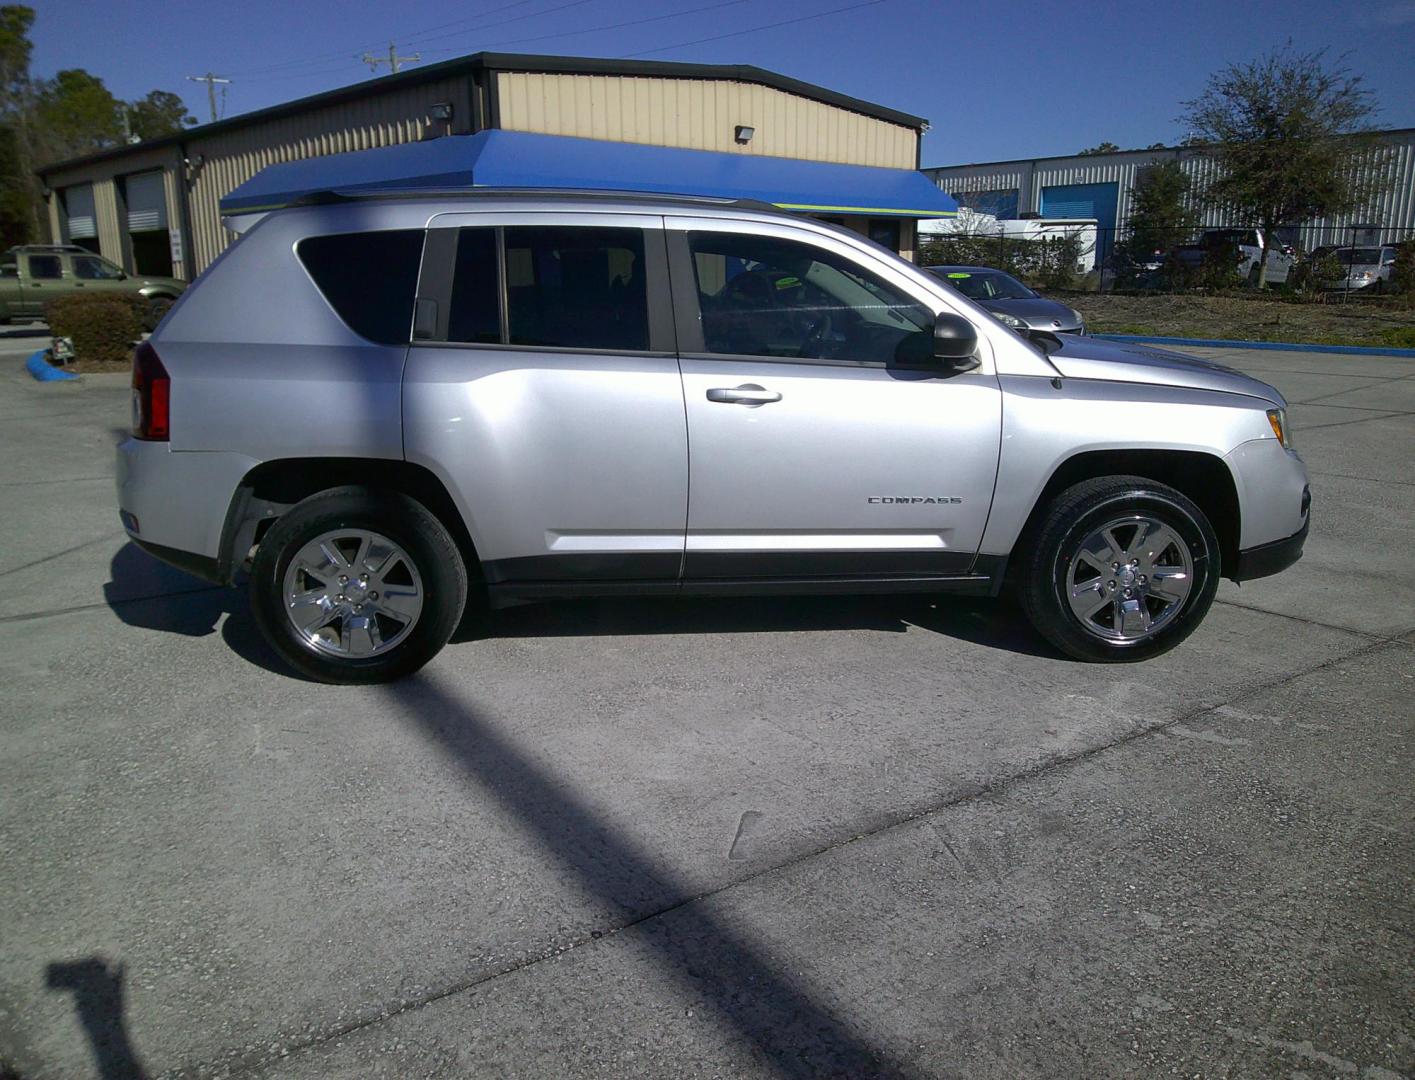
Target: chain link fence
1319	263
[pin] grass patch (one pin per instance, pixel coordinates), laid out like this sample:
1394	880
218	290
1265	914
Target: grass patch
1388	323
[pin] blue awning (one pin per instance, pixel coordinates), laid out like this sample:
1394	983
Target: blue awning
518	159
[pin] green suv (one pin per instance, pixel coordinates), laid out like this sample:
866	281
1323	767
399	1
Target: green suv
35	273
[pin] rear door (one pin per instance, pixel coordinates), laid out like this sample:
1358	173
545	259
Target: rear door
44	281
816	452
543	387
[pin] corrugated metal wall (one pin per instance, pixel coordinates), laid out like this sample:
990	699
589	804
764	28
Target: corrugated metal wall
104	177
1395	209
700	114
396	116
692	113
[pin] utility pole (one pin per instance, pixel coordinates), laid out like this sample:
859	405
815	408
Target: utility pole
394	61
211	81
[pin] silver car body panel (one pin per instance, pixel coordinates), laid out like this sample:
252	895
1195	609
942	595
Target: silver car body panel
179	499
584	457
1046	422
1090	358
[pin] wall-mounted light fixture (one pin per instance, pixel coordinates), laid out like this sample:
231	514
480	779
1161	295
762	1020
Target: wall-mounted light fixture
743	134
441	110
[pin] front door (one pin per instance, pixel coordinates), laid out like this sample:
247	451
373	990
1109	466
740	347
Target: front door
95	274
542	386
820	447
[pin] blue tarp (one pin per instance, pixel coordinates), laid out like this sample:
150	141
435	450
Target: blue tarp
517	159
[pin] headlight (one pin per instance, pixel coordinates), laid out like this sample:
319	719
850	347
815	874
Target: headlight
1010	320
1278	419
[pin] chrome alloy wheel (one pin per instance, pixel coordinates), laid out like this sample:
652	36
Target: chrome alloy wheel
1129	578
352	594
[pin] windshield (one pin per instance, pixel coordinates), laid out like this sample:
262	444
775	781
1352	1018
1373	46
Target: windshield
1359	256
986	284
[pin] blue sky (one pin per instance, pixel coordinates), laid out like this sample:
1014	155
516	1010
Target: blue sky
996	80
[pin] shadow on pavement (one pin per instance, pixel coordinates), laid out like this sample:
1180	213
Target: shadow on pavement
98	999
34	330
145	592
790	1030
996	623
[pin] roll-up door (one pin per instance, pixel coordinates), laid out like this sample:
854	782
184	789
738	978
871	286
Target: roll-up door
147	202
81	222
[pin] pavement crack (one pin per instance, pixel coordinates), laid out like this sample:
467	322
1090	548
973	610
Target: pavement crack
236	1065
59	554
1304	620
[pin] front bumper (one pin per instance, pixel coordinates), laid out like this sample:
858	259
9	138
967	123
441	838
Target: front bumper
1268	559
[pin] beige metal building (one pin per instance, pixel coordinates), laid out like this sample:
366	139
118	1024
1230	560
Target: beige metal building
152	207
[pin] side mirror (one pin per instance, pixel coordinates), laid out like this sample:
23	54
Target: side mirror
955	342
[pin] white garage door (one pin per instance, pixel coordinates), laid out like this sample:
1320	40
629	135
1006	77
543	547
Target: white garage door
78	211
147	202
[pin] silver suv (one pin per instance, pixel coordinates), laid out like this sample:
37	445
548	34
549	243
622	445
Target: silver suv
379	406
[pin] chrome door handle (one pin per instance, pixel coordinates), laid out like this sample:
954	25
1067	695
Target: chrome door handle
746	394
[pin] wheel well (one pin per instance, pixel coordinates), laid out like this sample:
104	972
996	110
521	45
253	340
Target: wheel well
273	487
1204	478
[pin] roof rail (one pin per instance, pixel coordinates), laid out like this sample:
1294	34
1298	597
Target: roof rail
47	247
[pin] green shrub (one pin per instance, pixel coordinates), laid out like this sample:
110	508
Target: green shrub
103	327
1402	274
1399	337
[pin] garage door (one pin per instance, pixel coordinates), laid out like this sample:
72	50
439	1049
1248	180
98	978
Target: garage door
147	202
1097	201
80	222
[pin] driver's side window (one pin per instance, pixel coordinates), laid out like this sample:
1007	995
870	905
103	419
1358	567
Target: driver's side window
764	296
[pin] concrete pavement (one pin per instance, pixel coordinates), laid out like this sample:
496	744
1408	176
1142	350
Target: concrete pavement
860	837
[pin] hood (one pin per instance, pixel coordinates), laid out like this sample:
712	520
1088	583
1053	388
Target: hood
1036	312
149	281
1091	358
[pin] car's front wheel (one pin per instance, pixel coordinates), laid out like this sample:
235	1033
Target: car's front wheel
358	586
1121	568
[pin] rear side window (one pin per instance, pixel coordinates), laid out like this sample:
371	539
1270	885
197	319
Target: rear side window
576	287
368	278
45	267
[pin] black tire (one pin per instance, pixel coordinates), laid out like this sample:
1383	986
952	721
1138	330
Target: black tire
157	306
436	562
1045	570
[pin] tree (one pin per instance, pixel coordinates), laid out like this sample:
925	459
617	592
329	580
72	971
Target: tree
46	120
1103	148
1291	137
1161	210
76	114
19	214
160	113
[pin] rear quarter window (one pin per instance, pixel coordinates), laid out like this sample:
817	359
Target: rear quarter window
369	279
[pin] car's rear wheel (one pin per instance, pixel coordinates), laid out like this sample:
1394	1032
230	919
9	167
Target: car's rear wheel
1121	568
157	307
358	586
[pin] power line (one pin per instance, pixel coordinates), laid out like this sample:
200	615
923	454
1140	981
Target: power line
211	81
394	61
416	36
601	29
753	30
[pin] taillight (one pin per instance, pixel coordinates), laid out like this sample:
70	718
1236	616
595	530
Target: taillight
152	395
